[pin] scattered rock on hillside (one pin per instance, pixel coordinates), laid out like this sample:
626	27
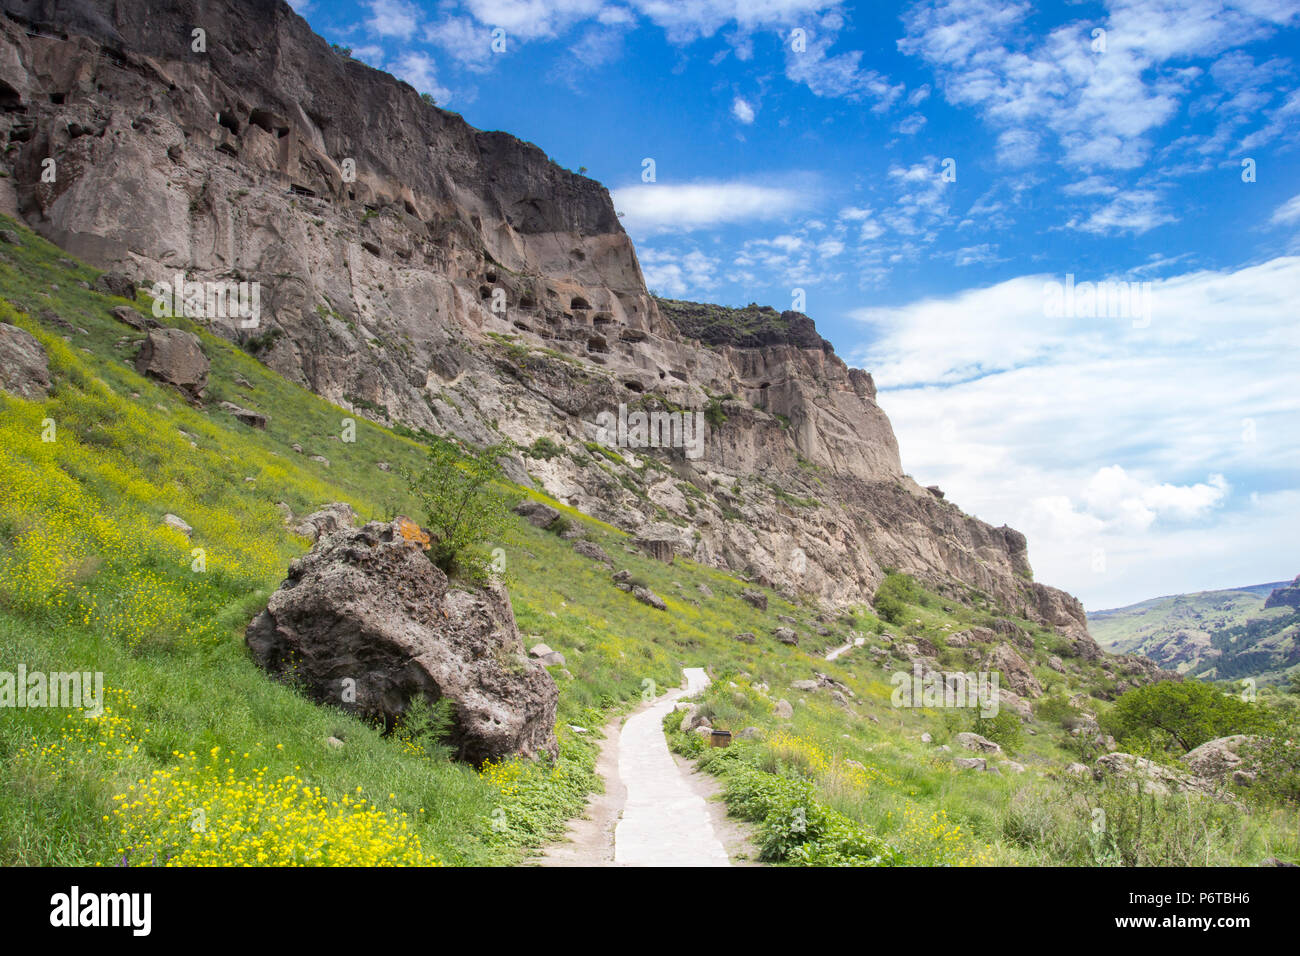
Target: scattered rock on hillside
320	460
704	590
977	743
24	367
247	416
783	709
786	636
132	317
589	549
757	598
333	517
1015	672
538	514
646	596
172	521
175	357
622	579
1156	778
115	283
746	638
970	763
366	622
1225	758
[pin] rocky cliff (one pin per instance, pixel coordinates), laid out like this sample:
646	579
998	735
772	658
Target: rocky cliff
423	272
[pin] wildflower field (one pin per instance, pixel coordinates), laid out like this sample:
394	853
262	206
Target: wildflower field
200	758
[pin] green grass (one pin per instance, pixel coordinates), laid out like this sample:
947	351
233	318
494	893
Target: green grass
89	579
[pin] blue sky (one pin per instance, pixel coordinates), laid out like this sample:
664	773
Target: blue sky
801	144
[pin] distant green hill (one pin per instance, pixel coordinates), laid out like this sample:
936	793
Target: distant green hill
1214	635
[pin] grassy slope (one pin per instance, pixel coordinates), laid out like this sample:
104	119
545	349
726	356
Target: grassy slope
90	580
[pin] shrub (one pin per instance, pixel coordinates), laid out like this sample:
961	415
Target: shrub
460	506
1002	728
544	448
1178	717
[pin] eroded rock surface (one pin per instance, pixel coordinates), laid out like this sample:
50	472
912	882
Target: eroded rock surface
366	622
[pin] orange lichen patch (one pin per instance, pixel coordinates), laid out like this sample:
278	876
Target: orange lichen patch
412	533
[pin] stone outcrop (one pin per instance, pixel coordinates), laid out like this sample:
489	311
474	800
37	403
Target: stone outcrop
1288	596
24	367
174	357
1016	675
366	622
1226	759
459	281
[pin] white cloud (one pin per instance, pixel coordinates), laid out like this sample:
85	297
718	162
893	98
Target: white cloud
1113	495
393	18
677	274
839	75
1132	210
666	207
468	42
1100	105
1288	212
534	19
418	70
742	111
1093	436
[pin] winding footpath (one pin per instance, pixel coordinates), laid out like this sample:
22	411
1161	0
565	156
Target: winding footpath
665	822
651	813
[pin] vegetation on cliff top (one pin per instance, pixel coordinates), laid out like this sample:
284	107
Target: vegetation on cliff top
754	326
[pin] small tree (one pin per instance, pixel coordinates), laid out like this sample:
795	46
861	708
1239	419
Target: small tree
1178	717
460	506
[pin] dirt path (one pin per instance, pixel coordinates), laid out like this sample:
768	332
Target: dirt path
856	642
655	810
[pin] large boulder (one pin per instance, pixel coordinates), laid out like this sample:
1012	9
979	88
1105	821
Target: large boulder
175	357
366	622
24	367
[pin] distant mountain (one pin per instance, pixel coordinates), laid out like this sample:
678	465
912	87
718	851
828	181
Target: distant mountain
1214	635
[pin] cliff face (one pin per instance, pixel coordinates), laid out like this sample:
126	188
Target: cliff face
424	272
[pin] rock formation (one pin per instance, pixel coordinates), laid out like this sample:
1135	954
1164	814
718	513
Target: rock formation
24	367
366	622
418	270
